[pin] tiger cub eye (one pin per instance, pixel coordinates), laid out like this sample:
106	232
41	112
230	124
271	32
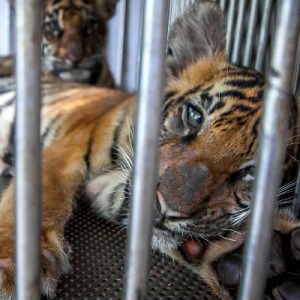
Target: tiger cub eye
194	117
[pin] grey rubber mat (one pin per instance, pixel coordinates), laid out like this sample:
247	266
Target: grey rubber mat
98	257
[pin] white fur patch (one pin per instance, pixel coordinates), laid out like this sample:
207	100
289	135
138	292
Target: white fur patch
107	193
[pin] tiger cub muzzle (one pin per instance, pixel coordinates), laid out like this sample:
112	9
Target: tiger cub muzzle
182	188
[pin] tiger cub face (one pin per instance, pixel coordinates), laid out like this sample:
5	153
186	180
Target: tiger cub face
209	134
208	139
74	38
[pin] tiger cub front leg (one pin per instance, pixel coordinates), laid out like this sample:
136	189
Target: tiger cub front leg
109	195
63	172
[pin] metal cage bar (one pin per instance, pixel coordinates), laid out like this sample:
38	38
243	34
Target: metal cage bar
271	152
28	149
230	26
296	90
116	42
296	84
222	4
5	28
151	84
132	44
263	35
250	33
238	31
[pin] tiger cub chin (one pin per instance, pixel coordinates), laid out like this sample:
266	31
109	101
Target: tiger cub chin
208	141
74	34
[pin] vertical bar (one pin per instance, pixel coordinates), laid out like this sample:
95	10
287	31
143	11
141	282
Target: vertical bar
296	91
28	36
238	32
132	44
296	202
230	26
296	85
115	42
263	35
5	26
271	151
151	83
222	5
250	33
11	29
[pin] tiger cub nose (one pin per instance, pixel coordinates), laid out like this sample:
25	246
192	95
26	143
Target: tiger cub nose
166	211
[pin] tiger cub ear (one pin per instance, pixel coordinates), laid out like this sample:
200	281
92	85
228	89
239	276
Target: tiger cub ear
200	32
105	8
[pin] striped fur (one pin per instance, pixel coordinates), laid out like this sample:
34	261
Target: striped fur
208	142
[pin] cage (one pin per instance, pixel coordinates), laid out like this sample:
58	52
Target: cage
263	35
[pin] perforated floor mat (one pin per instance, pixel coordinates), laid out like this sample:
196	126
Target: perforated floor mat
98	259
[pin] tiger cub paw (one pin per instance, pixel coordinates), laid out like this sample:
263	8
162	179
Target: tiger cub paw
54	262
283	281
219	262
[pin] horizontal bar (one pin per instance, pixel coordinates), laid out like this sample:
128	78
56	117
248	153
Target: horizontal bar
151	83
28	37
271	153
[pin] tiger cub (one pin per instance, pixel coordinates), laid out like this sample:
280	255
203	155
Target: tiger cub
208	141
74	36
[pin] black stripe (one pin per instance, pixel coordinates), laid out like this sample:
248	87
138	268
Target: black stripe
171	103
232	94
241	120
254	132
170	94
188	138
244	83
216	107
49	128
208	89
206	97
114	152
254	99
192	90
112	195
167	104
254	128
225	114
124	209
244	71
9	155
87	155
241	107
238	201
55	2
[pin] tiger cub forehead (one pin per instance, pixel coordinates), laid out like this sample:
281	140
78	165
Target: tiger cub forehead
213	83
227	99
